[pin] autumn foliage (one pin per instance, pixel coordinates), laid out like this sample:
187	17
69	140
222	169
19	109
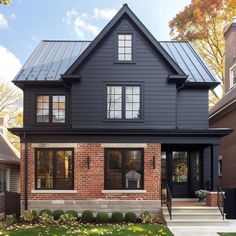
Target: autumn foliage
203	22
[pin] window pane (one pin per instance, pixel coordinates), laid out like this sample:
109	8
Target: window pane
45	169
180	167
114	102
132	102
133	169
113	169
42	109
58	112
124	47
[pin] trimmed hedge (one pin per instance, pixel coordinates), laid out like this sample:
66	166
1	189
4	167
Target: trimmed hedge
130	217
86	217
73	213
57	214
49	212
117	217
102	217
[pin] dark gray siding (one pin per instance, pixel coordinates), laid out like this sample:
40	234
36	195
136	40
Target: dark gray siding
192	109
88	97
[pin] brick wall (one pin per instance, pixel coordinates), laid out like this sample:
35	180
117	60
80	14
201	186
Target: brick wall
90	182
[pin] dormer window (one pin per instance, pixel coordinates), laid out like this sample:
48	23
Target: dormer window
233	76
125	49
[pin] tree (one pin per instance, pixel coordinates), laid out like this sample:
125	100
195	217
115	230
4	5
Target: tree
11	109
5	2
203	23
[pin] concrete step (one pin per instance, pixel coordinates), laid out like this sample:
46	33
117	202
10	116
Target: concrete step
201	210
197	222
197	216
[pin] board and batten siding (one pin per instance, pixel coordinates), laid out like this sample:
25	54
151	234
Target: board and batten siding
192	109
159	97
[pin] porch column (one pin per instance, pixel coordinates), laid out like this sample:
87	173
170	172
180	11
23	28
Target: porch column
214	166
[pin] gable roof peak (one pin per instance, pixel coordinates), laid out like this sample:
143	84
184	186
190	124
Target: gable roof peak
126	10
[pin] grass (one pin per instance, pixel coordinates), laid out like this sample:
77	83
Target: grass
227	234
90	230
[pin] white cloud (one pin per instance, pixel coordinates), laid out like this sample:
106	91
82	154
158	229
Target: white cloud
80	23
13	16
3	21
9	65
104	13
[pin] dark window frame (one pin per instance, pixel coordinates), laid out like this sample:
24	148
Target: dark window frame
123	168
123	118
50	123
116	60
54	150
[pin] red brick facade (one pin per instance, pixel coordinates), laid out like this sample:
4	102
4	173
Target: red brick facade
211	199
90	182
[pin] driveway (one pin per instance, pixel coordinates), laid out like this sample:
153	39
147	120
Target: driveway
203	230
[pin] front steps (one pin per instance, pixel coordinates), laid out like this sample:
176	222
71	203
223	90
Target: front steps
194	216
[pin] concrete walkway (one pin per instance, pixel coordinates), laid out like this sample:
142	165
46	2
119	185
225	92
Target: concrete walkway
203	230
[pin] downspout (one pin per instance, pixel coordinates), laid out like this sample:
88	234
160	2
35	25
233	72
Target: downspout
26	171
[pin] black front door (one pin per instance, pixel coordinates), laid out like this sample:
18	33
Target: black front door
183	172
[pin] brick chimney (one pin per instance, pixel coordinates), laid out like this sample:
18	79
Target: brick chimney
230	54
3	126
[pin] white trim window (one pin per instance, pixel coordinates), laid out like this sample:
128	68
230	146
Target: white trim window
4	180
232	76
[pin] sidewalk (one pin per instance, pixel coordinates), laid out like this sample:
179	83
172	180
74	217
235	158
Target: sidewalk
203	231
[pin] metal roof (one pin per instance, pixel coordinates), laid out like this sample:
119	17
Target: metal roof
53	57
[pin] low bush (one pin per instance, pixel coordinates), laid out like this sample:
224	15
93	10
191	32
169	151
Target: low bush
117	217
146	217
102	217
67	218
10	219
3	226
73	212
47	211
130	217
46	219
86	217
57	214
29	215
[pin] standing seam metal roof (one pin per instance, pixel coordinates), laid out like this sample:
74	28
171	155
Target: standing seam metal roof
53	57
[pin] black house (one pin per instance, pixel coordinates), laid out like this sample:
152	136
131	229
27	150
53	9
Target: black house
116	119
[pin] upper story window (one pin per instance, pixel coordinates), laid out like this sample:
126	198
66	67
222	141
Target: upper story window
232	76
51	109
124	102
125	49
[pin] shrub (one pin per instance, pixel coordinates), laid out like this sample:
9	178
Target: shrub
87	217
57	214
146	217
117	217
130	217
2	226
73	212
29	215
67	218
10	219
102	217
47	211
46	219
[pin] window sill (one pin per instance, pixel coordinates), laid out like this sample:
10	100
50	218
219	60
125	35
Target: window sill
54	191
124	191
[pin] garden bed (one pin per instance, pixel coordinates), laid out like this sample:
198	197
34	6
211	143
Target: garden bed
88	230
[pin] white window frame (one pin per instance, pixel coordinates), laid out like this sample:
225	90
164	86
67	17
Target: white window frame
231	76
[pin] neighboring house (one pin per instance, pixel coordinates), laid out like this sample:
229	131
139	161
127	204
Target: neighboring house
9	165
103	119
224	113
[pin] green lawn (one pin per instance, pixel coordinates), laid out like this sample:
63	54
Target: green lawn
227	234
121	230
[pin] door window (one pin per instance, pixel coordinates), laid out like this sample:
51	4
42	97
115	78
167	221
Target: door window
179	167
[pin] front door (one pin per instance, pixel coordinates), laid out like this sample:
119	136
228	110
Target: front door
183	172
179	173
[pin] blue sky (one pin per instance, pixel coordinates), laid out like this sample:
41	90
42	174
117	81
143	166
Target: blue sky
25	22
